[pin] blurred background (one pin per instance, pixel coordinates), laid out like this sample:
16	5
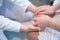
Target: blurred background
41	2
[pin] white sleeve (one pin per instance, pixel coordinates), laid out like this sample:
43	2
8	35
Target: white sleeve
1	2
22	3
9	25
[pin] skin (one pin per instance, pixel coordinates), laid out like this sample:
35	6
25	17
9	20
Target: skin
49	10
29	27
43	10
35	34
44	20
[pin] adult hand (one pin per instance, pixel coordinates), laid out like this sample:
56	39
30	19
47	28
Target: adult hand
42	21
27	28
47	10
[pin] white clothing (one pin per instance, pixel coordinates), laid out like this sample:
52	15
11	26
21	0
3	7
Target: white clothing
16	10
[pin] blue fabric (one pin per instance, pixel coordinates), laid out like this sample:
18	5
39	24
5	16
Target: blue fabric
14	35
47	34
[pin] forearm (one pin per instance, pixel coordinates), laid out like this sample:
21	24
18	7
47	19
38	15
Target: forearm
55	25
9	25
32	35
56	6
32	8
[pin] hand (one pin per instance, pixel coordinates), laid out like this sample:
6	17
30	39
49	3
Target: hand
47	10
27	28
43	21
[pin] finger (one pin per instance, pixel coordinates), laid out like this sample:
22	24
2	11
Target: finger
44	12
43	8
36	29
40	10
34	23
35	19
52	15
39	15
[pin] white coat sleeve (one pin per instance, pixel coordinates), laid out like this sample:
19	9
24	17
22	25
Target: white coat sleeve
9	25
22	3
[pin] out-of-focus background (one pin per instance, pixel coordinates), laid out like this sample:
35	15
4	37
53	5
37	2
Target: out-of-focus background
41	2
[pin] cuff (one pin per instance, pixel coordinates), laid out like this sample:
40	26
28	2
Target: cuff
17	27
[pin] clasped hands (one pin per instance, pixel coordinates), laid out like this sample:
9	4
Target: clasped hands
43	17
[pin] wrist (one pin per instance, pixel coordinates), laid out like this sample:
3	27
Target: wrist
22	27
54	8
57	6
52	23
25	28
32	8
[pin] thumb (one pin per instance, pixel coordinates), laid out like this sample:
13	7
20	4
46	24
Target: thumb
36	29
34	23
